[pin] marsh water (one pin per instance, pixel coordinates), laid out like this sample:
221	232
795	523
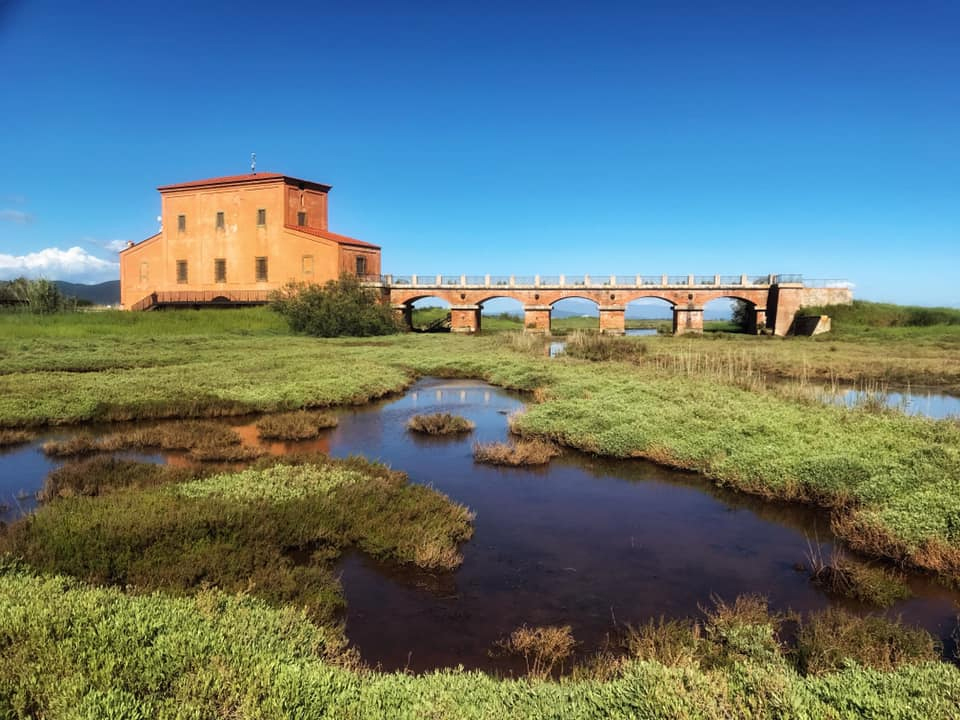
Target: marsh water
590	542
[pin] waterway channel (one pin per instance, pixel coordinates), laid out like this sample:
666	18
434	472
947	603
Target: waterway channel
589	542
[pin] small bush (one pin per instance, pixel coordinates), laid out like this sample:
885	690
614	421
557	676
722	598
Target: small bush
827	640
542	648
439	424
523	452
15	437
743	631
846	577
342	307
295	426
669	642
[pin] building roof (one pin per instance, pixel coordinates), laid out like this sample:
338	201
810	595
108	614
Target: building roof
241	179
327	235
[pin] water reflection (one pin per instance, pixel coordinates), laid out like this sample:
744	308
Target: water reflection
917	402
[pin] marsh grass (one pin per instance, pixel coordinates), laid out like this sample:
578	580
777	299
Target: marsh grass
226	453
543	649
521	342
601	347
74	650
104	474
844	576
302	425
123	524
729	634
186	435
439	424
828	640
15	437
672	642
521	452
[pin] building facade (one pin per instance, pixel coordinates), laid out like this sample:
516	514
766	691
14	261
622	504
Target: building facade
235	239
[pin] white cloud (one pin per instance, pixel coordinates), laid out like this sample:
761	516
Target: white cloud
115	245
74	265
16	216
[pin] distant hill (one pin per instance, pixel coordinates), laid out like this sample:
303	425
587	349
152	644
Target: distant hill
105	293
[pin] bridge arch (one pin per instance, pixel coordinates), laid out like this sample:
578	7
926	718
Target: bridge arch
647	314
574	318
753	316
500	311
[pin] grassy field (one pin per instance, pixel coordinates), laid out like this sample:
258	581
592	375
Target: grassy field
69	650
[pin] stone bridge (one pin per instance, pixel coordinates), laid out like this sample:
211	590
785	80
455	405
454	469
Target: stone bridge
773	299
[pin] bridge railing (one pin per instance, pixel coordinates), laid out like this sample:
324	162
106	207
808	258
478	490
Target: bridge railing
595	280
826	283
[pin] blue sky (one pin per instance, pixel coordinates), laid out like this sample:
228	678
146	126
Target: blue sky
819	138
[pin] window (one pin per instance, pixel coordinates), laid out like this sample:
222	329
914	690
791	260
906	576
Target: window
306	264
261	217
220	270
261	269
220	224
144	272
181	223
301	218
181	271
361	266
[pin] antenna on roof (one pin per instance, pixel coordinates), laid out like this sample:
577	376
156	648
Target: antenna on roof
253	163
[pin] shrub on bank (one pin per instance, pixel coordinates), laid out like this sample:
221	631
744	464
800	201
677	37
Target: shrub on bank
339	308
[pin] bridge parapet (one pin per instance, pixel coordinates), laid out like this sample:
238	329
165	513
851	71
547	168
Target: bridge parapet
594	281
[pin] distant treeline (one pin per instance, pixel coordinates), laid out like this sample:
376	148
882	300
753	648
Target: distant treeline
871	314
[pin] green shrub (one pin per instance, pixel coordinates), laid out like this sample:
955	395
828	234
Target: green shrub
342	307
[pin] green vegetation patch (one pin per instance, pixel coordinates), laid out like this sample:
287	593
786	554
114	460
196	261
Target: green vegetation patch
71	651
272	530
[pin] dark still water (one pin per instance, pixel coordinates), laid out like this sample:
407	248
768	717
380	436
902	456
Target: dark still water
588	542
